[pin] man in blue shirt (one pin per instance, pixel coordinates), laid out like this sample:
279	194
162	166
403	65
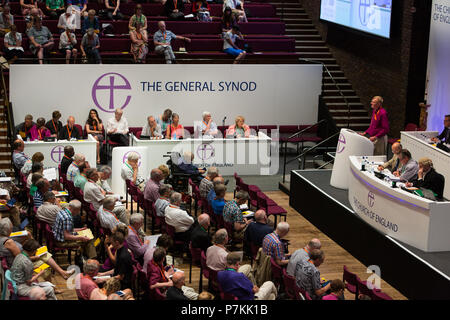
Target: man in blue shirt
256	231
186	166
233	282
219	201
162	39
212	194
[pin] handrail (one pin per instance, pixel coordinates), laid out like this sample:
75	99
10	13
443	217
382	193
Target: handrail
306	152
306	129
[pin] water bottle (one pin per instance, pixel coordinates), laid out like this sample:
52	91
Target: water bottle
363	164
371	167
174	136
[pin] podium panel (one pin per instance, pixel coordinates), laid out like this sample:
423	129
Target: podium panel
350	143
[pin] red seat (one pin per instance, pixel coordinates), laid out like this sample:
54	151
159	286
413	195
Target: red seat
350	281
362	287
274	209
289	284
379	295
196	257
277	273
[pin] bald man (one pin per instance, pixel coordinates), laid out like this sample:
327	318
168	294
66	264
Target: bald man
273	246
212	194
117	128
302	255
19	157
200	237
69	131
394	164
151	191
175	292
256	231
162	39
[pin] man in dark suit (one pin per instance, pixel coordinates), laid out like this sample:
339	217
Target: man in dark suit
428	178
69	131
23	129
445	134
200	237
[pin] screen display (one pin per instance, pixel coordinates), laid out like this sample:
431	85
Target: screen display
371	16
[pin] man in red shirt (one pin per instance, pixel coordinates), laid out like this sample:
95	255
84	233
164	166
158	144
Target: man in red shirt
379	127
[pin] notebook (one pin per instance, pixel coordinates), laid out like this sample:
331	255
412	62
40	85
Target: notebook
86	233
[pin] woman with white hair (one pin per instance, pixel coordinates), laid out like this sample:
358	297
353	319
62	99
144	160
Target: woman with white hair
130	170
135	240
208	127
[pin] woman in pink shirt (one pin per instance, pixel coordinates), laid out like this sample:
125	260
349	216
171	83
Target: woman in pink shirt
337	288
239	129
39	131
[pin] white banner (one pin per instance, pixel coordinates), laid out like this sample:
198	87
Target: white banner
438	73
263	94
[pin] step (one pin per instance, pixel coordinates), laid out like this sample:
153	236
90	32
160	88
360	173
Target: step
342	86
344	113
304	37
343	106
326	60
335	79
353	119
347	92
339	98
304	26
311	49
333	67
315	55
292	9
296	29
353	126
305	43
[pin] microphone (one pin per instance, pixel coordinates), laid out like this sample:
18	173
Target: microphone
223	121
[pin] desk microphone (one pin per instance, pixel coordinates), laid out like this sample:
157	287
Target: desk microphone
223	121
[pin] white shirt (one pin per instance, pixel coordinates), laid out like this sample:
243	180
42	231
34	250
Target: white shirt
121	126
232	37
93	194
104	185
177	218
67	22
107	219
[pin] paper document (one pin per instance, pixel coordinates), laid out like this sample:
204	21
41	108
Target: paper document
42	267
19	234
5	179
153	239
43	284
50	174
41	251
86	233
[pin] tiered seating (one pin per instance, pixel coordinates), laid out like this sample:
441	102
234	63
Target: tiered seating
264	33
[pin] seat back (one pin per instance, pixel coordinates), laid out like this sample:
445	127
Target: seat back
349	277
362	287
205	268
196	255
289	284
411	127
9	282
378	295
277	271
262	201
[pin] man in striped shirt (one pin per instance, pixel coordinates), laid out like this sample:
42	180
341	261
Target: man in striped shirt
273	246
42	187
73	169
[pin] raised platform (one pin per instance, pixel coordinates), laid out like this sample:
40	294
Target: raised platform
416	274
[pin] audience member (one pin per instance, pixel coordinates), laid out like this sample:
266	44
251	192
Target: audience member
22	271
117	128
212	194
86	287
239	129
123	269
130	171
67	159
37	293
165	191
151	191
54	8
229	44
175	130
201	10
218	203
27	8
428	178
233	214
70	131
409	169
394	164
152	128
12	42
205	295
139	46
80	6
237	7
200	237
187	167
90	22
42	187
54	125
112	286
19	157
104	174
257	231
337	288
228	20
302	255
11	212
107	218
94	127
41	40
174	9
138	17
164	119
178	218
216	255
307	275
63	230
273	246
162	39
207	182
67	21
80	179
135	240
164	241
379	126
23	129
35	177
90	45
37	157
113	10
165	171
174	292
74	168
48	211
236	283
6	20
445	134
159	278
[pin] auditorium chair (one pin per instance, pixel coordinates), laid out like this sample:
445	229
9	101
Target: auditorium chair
51	244
199	201
274	210
289	284
224	295
4	263
196	257
10	285
362	287
349	279
267	129
301	294
379	295
277	274
204	270
178	245
134	195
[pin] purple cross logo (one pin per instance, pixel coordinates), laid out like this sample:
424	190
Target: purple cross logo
371	199
341	144
115	81
125	157
364	14
57	153
205	151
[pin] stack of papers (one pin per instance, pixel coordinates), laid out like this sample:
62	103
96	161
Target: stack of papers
5	179
41	251
153	239
86	233
19	234
62	194
248	214
50	174
42	267
101	277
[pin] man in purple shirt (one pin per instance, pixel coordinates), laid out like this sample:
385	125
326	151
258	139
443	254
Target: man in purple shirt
236	283
151	191
135	240
379	127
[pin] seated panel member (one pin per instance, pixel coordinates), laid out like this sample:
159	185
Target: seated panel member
207	126
39	131
175	130
239	129
23	129
394	164
409	169
445	134
54	125
428	178
117	128
69	131
152	129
